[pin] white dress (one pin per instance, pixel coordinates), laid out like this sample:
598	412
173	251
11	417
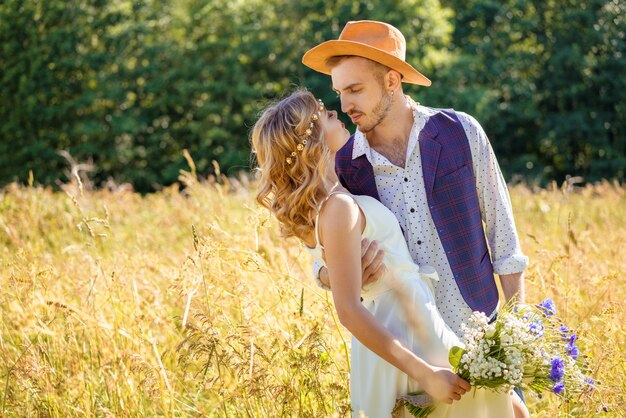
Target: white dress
403	302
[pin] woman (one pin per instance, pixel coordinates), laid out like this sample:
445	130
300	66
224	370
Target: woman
401	342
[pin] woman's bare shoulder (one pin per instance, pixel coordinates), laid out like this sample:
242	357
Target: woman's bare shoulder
340	215
339	205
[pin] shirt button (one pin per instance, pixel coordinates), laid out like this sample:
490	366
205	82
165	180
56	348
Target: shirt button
412	210
406	179
419	242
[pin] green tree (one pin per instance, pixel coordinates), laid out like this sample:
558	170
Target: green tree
545	79
131	84
45	74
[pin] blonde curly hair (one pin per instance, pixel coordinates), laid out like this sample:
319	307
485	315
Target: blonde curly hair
292	192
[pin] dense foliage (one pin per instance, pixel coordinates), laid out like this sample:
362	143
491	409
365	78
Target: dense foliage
127	86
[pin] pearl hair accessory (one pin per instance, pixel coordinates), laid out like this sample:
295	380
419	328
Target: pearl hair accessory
304	138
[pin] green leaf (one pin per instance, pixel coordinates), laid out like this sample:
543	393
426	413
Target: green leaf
455	356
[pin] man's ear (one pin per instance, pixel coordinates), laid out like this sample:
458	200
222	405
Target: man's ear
393	80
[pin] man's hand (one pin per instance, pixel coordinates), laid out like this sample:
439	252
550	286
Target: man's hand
372	264
444	385
323	276
513	286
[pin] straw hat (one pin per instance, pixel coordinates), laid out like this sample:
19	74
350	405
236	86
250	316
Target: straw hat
377	41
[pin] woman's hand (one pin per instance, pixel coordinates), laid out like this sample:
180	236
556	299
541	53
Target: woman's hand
444	385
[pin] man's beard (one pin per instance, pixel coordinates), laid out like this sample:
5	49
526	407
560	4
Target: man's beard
379	113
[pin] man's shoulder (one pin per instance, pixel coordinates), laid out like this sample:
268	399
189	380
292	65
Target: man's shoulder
462	116
469	123
466	119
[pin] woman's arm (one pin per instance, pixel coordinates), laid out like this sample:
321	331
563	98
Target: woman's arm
341	224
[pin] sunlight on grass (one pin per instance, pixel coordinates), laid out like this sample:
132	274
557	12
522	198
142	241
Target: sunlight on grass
189	303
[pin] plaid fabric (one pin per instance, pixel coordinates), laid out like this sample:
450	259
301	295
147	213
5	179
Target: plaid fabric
356	175
452	198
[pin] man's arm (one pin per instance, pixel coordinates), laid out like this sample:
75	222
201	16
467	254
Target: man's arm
508	259
513	286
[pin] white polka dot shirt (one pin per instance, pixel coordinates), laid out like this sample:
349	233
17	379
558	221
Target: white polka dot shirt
402	190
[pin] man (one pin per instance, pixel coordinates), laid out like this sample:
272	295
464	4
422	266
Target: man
434	169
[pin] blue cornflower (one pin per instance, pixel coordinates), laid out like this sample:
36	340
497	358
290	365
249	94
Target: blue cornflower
558	388
589	381
572	338
564	330
557	371
572	350
536	328
548	307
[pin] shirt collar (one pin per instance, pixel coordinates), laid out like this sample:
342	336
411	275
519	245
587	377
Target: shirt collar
362	147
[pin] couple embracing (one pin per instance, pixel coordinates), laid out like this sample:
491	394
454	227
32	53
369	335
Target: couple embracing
398	216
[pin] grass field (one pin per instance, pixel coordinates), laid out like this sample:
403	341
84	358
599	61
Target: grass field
189	303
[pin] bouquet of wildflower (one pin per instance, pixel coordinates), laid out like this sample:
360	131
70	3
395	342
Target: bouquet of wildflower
525	346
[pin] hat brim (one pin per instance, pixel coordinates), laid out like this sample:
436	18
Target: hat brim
316	58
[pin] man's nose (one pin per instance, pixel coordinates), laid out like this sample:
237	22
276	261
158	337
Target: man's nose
346	106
